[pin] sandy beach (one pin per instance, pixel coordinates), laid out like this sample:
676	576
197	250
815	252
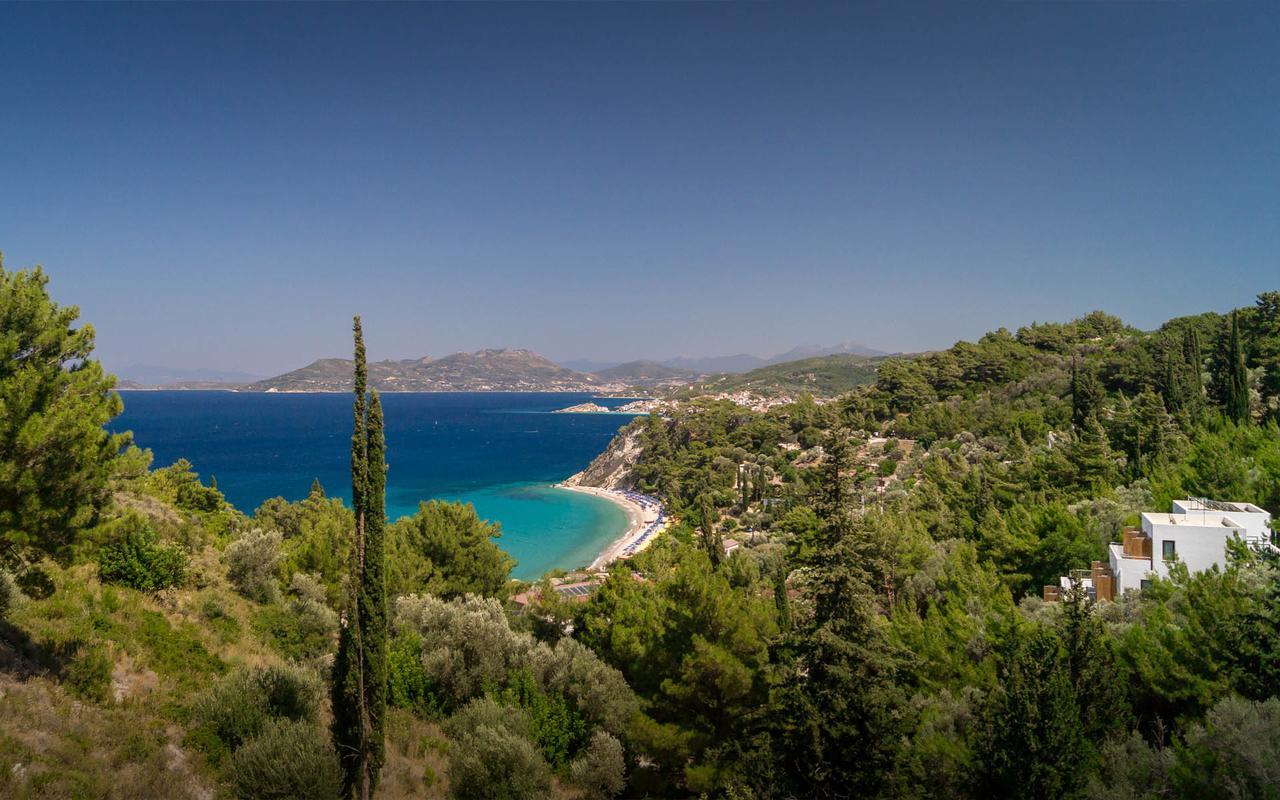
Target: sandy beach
639	520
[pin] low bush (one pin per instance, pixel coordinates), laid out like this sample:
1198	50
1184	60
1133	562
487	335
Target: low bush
139	559
88	675
215	612
232	710
301	629
251	564
7	590
177	651
291	693
194	496
238	707
288	759
491	756
408	685
599	772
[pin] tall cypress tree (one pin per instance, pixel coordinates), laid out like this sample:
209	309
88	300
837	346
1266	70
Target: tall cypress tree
1237	377
1194	380
359	672
373	589
710	537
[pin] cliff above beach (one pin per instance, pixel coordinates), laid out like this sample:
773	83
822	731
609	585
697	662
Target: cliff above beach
612	469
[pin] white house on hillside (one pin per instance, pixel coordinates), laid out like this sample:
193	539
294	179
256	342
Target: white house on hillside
1195	532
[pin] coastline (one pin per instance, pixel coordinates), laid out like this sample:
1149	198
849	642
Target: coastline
640	520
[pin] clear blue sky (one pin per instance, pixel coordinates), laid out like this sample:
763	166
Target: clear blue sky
224	185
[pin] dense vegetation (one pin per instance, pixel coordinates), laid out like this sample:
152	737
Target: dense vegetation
824	376
878	633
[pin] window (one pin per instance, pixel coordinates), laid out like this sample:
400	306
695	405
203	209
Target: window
1168	551
1144	584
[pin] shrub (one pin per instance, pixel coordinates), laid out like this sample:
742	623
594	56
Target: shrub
177	651
238	707
214	611
408	686
233	710
89	673
287	760
139	560
558	729
7	591
303	629
196	497
291	692
251	564
491	756
599	771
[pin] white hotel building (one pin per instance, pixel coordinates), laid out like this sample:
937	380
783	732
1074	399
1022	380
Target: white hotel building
1195	532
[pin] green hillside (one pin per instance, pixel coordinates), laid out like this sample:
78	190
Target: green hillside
821	376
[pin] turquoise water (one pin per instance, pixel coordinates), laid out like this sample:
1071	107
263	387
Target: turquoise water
500	452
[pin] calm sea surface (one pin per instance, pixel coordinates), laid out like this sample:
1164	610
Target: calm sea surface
498	451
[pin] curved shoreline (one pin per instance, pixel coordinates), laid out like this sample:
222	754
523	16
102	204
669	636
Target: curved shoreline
639	519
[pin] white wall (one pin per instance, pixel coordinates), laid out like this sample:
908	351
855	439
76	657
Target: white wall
1198	545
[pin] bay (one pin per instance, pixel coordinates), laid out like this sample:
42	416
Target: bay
499	451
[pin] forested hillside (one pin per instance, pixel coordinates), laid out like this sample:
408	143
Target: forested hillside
849	605
821	376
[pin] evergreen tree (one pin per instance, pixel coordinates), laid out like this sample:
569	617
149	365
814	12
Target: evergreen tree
1091	455
744	485
1031	743
1095	672
317	491
834	500
1237	397
781	601
359	672
373	587
1194	380
840	722
1266	347
55	401
710	535
1087	394
1259	659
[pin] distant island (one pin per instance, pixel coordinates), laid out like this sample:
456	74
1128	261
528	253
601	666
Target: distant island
521	370
481	371
641	406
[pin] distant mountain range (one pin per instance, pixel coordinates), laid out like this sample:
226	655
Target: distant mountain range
740	362
481	371
645	373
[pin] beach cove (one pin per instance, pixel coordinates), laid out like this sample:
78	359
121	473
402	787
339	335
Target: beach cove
502	452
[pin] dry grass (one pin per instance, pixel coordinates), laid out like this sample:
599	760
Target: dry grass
417	760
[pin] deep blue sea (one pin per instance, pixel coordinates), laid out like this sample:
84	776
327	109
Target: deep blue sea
498	451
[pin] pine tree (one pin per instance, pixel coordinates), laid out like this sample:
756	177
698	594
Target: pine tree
1030	741
1091	455
1237	407
56	454
317	491
1259	656
744	485
1086	394
834	500
359	672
